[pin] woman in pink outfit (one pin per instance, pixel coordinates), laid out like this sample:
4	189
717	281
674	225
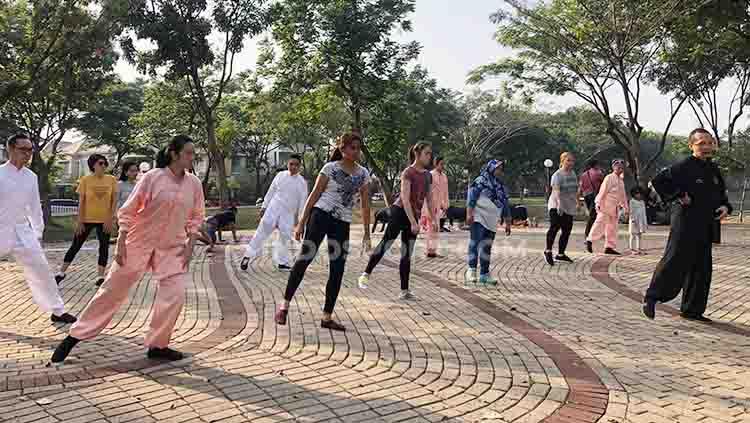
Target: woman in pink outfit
440	202
159	224
610	198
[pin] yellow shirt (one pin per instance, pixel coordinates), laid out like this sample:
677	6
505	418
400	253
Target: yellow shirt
97	197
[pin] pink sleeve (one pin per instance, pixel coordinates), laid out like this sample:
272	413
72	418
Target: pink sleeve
445	200
603	190
137	200
198	211
624	198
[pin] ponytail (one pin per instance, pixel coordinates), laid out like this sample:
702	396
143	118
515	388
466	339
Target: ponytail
415	150
336	155
164	156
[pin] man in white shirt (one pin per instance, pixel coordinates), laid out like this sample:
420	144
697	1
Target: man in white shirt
22	226
282	206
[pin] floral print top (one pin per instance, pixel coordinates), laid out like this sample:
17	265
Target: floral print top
342	191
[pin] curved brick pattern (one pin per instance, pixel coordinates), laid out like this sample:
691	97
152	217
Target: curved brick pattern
546	344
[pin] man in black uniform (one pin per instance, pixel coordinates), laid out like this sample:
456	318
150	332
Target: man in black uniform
701	198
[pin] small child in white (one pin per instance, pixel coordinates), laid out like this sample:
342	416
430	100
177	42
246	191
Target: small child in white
638	220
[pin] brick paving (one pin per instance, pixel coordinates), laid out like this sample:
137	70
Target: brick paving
562	344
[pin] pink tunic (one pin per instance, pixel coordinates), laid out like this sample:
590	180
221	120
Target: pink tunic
440	202
612	195
158	216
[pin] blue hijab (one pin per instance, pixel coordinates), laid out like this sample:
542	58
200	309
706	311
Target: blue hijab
490	186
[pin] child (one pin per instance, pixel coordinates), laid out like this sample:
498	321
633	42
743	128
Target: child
638	221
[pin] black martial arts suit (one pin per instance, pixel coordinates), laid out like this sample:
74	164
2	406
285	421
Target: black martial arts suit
686	264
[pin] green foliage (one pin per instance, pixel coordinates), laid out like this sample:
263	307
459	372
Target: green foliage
107	122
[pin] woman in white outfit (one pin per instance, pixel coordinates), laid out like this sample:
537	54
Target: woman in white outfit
283	204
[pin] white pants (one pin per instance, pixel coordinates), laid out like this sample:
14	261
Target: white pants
635	242
274	218
27	251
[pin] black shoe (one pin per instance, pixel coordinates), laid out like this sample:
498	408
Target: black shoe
100	282
332	325
59	278
284	268
244	263
63	318
164	354
697	317
63	350
563	257
432	255
548	257
589	246
649	309
611	252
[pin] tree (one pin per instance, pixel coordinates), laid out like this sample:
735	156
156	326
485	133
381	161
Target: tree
107	122
37	37
346	45
51	102
598	50
706	51
181	29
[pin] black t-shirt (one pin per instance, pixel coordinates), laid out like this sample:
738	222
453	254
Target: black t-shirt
223	219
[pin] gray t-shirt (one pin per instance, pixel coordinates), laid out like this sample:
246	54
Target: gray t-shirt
342	191
568	183
124	189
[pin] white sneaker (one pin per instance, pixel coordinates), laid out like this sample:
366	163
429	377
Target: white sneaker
406	295
470	276
363	280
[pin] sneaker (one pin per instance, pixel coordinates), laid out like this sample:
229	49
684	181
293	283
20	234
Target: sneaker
563	257
487	280
332	325
649	309
244	263
548	258
59	277
470	276
611	252
63	350
284	268
589	246
100	282
363	280
406	295
63	318
697	317
280	316
164	354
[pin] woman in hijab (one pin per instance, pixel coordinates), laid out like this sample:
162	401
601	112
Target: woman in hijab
610	199
487	202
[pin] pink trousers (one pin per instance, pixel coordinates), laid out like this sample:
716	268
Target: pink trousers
605	227
170	297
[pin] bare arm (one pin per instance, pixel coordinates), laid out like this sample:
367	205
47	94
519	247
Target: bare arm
320	185
405	200
364	195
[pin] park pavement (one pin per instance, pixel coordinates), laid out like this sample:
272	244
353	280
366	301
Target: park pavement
558	344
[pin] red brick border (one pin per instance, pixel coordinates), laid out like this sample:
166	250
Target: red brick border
587	398
234	321
600	272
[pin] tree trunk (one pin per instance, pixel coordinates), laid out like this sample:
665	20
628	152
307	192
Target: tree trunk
384	182
39	166
207	176
218	158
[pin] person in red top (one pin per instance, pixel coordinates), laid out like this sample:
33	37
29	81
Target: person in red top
416	183
588	187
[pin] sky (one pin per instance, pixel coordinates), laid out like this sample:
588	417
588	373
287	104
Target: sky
457	36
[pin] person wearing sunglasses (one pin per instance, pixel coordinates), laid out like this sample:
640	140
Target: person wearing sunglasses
97	205
22	226
609	200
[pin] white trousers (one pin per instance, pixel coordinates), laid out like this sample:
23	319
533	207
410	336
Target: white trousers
274	218
27	251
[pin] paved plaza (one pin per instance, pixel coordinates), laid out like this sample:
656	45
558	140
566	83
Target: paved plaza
556	344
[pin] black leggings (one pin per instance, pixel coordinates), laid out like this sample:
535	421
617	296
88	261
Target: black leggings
399	224
559	221
590	201
321	225
78	241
